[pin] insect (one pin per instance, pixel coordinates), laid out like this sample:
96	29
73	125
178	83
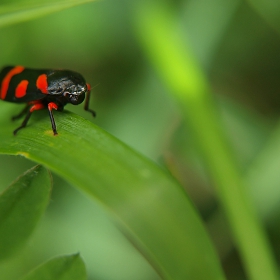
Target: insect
42	88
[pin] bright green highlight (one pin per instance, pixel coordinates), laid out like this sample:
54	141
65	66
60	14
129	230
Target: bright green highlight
175	66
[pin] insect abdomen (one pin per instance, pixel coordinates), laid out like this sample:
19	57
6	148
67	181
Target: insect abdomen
19	84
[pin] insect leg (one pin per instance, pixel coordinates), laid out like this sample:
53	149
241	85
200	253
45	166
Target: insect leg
52	106
87	102
21	113
35	107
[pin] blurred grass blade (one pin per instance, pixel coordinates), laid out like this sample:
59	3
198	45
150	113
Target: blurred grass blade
15	13
269	10
174	61
146	202
21	206
205	38
264	176
69	267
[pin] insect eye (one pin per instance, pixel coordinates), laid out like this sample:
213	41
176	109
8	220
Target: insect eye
70	97
74	98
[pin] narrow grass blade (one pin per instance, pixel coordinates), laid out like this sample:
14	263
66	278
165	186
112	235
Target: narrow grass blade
15	13
269	10
173	59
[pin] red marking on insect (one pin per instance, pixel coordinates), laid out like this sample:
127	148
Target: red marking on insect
21	89
6	81
42	83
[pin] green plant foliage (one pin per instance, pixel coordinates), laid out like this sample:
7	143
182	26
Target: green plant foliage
69	267
21	206
149	206
182	73
269	10
264	172
219	61
15	13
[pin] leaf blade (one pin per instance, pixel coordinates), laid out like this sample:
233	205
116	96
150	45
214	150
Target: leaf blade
21	206
144	199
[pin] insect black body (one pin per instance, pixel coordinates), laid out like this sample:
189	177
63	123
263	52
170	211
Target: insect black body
42	88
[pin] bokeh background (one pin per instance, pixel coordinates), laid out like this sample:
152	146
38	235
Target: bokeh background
238	49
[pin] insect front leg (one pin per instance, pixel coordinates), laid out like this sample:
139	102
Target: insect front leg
87	102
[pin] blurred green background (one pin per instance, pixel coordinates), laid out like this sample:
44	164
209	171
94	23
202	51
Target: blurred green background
239	50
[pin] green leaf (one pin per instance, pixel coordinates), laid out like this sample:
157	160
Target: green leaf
148	204
69	267
21	206
11	14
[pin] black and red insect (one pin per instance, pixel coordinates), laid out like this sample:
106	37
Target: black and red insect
42	88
